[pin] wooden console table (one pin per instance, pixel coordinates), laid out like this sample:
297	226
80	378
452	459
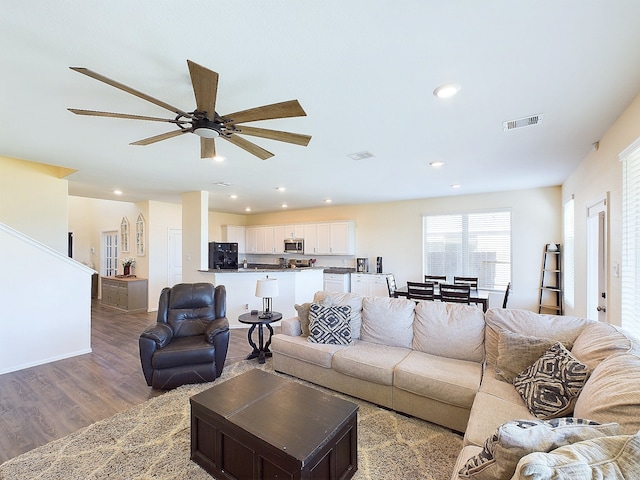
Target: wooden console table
128	294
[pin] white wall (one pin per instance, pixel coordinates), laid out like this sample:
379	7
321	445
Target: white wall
601	172
33	200
46	303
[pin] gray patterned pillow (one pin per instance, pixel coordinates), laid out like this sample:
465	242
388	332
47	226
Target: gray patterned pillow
330	324
550	387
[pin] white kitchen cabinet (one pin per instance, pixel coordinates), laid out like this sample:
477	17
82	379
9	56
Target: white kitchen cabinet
369	284
235	234
337	282
251	240
279	234
331	238
294	230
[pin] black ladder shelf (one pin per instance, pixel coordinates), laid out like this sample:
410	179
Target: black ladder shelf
550	300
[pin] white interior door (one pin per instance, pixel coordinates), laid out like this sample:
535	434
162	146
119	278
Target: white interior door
109	253
597	262
175	256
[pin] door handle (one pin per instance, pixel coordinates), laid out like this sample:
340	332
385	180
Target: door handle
601	309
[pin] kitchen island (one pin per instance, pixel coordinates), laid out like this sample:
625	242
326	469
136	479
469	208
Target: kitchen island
296	285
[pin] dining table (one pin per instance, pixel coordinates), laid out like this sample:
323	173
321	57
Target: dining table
480	297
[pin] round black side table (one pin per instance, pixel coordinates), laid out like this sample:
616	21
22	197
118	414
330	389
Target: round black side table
260	351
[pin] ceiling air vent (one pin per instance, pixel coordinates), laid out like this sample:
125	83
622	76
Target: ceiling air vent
522	122
360	155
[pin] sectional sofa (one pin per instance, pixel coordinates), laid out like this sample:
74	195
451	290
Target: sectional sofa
510	380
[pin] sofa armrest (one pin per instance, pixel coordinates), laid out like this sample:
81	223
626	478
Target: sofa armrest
291	327
161	333
216	327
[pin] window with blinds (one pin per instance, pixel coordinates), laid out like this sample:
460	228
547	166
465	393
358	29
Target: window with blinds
630	269
469	245
568	227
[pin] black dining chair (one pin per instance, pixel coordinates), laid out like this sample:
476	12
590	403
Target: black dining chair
420	291
471	281
455	293
436	279
506	295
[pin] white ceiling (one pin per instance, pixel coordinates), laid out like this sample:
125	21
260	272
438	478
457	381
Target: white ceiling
364	71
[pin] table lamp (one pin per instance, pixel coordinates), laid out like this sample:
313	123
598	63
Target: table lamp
267	288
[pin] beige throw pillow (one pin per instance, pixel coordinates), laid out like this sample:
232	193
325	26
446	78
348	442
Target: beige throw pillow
610	458
513	440
517	352
303	316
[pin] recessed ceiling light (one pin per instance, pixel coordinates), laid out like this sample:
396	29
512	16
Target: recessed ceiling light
328	200
280	189
118	192
456	185
446	90
247	209
436	164
218	158
222	184
284	205
233	195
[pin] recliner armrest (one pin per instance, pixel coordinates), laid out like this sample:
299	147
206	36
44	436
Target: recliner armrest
216	327
161	333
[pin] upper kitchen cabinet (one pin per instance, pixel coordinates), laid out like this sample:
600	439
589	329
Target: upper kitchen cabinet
332	238
235	234
294	231
279	234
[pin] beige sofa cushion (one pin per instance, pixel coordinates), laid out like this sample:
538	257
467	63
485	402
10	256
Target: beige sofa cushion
369	361
447	380
353	300
612	393
299	347
388	321
615	457
449	330
598	341
559	328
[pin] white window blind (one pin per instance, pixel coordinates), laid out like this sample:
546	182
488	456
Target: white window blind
568	219
630	270
469	245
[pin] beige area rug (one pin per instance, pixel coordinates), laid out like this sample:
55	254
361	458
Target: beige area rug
152	441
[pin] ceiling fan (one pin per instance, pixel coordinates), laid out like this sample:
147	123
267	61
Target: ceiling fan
205	121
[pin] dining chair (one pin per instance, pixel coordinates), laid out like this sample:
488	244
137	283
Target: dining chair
420	291
391	285
437	279
456	293
506	295
471	281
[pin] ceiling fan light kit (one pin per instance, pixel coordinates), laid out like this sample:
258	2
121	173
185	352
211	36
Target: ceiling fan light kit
205	121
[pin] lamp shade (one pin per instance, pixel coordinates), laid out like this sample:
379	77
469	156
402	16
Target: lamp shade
267	288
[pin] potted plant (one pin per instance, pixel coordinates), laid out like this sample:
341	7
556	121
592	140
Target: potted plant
127	263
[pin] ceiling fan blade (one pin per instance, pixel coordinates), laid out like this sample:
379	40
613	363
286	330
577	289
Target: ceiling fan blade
207	148
205	88
295	138
162	136
291	108
93	113
137	93
248	146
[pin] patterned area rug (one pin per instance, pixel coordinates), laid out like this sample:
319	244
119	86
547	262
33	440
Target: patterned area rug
152	441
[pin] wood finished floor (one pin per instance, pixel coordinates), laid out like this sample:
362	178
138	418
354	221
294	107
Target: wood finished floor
43	403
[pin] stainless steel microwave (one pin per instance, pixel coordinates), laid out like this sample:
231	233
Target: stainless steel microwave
293	245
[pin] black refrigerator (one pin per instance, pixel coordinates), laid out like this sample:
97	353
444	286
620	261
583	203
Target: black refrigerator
223	256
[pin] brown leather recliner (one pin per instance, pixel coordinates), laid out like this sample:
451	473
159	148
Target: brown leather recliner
189	341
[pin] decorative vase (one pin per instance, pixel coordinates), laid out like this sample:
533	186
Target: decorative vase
127	269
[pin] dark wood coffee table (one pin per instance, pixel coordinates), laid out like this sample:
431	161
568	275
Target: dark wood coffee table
261	426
